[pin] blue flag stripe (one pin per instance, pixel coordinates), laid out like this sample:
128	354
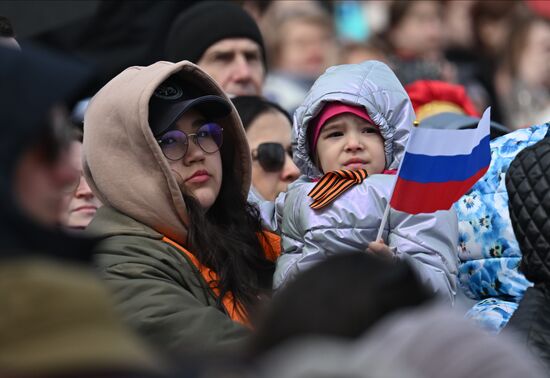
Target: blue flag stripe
427	169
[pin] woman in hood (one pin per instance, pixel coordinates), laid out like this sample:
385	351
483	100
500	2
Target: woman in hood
166	153
351	132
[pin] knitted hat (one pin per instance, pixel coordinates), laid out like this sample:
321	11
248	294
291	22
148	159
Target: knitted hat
206	23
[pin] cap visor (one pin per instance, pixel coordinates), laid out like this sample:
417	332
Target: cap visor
211	106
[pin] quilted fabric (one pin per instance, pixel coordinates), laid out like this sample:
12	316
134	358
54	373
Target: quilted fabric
528	185
531	323
488	251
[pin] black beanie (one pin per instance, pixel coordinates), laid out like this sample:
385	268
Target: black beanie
206	23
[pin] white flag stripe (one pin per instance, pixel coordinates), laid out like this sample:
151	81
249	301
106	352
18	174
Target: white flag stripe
436	142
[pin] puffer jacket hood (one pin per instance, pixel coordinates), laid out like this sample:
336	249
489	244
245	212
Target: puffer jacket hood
123	162
32	81
370	84
528	183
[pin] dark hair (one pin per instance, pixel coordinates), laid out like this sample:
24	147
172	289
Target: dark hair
251	107
342	296
6	29
397	12
226	238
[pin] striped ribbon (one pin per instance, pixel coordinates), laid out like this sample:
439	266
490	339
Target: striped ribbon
333	184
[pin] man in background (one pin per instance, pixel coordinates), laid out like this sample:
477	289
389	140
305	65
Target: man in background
224	40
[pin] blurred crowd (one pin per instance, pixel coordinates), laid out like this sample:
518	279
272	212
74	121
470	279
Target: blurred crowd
202	189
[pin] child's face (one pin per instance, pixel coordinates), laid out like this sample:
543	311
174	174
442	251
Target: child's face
347	141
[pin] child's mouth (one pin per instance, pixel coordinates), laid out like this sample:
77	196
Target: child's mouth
354	165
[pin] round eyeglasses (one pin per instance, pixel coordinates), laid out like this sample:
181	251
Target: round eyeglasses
174	143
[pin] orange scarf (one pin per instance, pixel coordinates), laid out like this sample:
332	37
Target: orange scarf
333	184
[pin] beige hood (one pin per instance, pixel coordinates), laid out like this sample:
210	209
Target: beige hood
124	164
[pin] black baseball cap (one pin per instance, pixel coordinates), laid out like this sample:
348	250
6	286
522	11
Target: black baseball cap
173	98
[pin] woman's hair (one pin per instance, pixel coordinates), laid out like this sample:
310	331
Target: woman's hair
226	238
251	107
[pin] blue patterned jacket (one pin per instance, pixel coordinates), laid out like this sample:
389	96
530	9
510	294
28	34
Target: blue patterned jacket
488	251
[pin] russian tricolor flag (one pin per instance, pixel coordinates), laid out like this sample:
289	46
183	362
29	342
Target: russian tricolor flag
440	166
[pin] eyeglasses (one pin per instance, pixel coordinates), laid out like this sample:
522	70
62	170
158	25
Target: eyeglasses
271	156
174	143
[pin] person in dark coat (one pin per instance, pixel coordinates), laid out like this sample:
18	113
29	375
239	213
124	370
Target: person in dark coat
56	317
529	204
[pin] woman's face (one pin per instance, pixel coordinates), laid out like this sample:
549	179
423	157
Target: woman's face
82	203
420	31
307	48
533	63
198	172
271	127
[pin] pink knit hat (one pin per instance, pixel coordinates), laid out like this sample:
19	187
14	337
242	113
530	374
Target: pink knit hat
330	110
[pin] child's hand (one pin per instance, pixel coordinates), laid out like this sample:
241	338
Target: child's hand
379	248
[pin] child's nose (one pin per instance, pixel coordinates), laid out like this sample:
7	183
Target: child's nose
353	143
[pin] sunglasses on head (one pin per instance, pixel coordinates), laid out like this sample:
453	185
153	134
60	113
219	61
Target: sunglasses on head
271	156
174	143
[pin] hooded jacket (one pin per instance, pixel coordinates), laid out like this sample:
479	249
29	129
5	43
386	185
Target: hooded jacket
352	220
159	287
488	251
56	316
527	186
32	81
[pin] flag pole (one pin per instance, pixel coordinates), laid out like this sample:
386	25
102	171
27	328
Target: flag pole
387	210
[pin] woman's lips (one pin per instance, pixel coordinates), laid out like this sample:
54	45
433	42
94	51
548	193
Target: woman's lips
85	209
199	177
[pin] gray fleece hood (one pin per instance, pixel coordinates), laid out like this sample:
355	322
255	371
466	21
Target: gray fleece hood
370	84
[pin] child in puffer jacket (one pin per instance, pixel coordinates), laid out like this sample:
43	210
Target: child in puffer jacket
351	133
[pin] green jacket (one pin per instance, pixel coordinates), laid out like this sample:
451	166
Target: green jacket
157	287
159	291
